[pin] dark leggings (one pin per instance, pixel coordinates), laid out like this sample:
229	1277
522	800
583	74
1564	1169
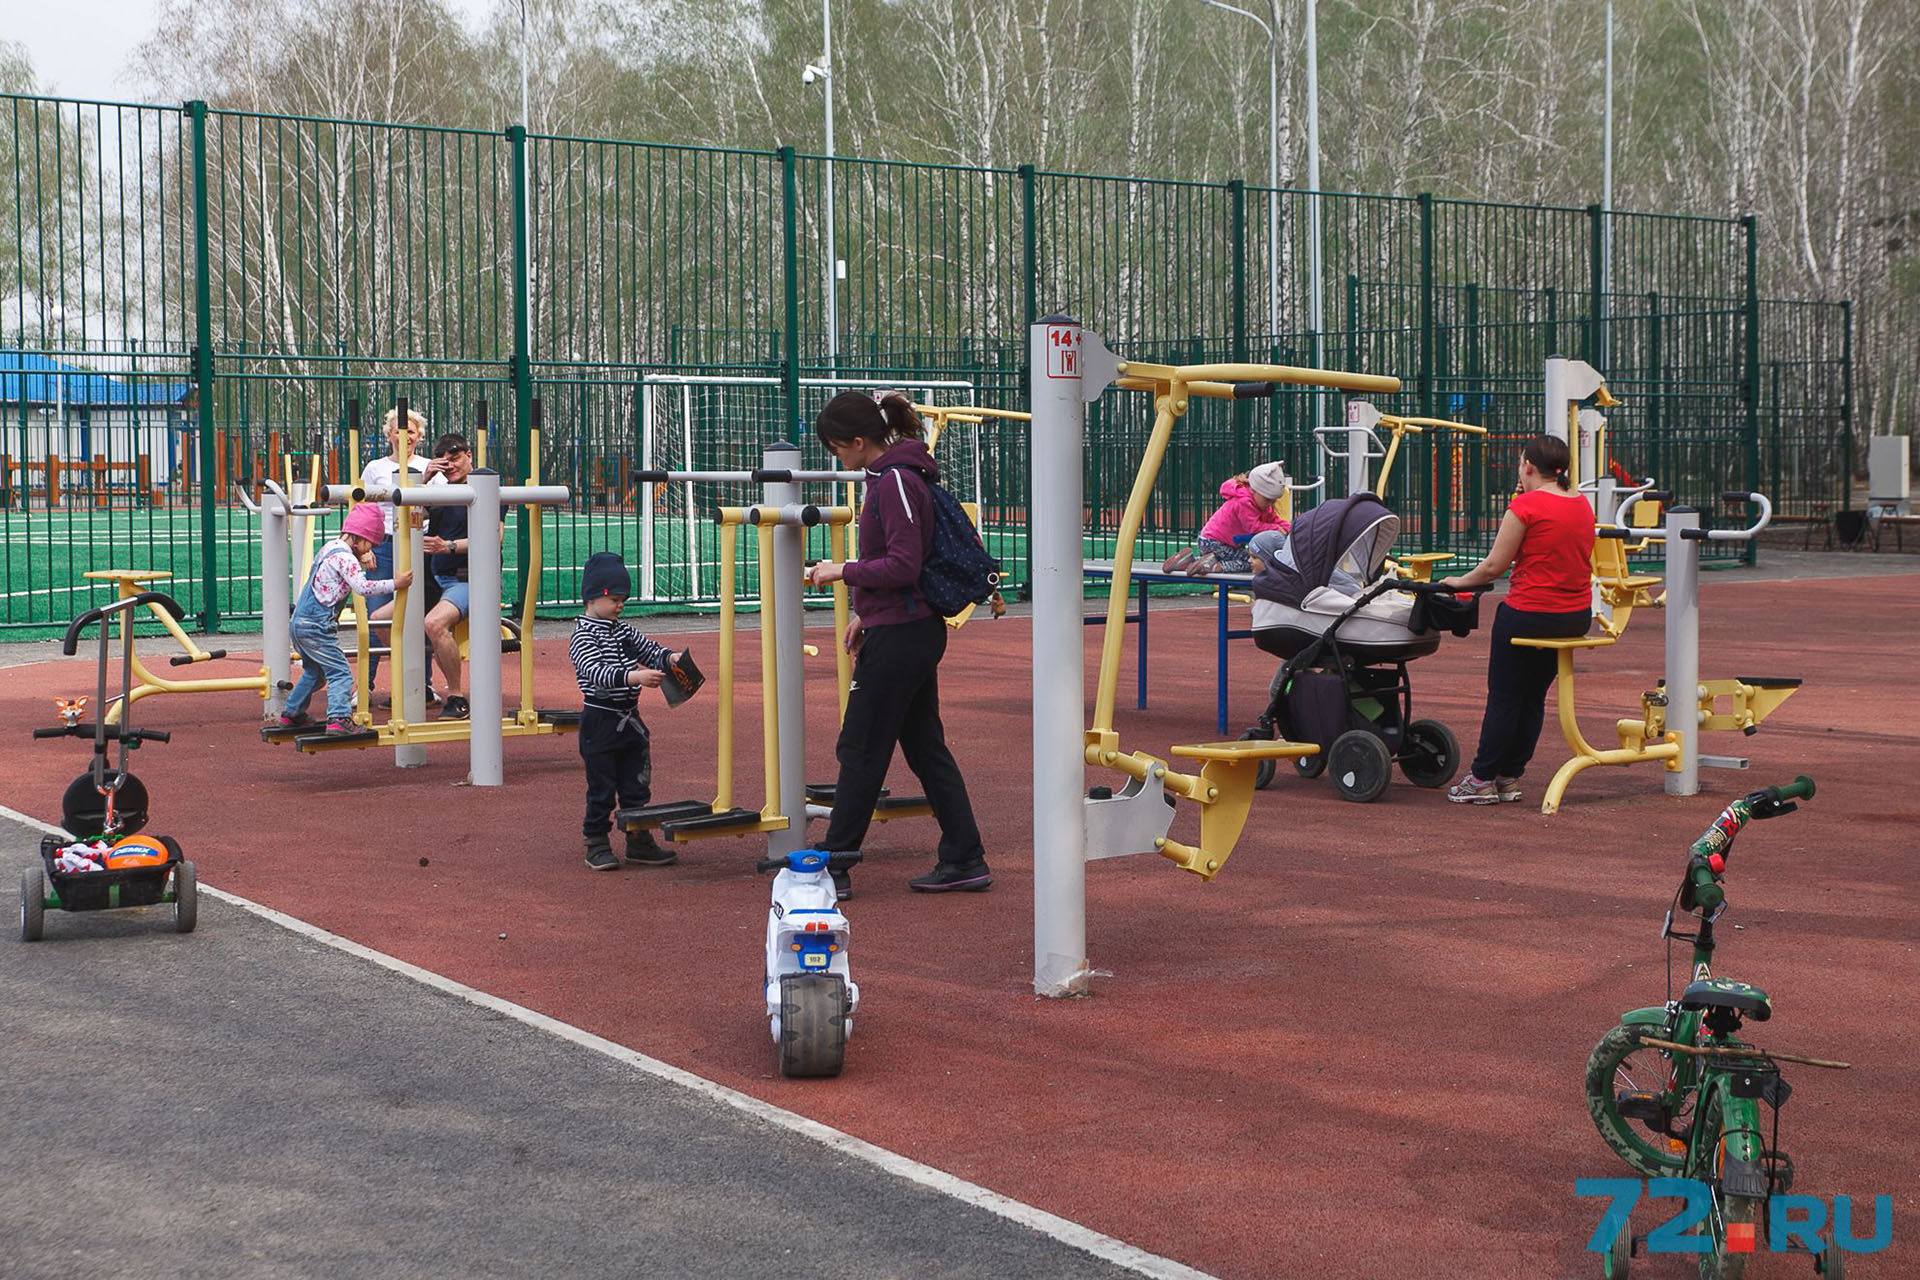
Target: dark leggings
1517	682
896	699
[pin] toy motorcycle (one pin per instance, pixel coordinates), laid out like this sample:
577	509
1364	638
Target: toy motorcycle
811	995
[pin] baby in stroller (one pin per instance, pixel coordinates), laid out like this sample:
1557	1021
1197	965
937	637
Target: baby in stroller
1346	631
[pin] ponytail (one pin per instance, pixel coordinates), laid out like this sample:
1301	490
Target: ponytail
853	415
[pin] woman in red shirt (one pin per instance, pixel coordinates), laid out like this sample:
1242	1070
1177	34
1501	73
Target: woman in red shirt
1547	537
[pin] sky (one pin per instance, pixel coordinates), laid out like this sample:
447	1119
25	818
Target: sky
82	48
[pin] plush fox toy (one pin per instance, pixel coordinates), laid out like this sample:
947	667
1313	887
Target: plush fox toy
70	709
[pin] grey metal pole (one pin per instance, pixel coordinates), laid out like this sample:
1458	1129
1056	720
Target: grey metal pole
833	259
1060	965
789	625
1606	203
1683	647
276	639
485	697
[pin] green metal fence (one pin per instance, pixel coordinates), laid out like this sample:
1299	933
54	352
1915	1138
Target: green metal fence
197	297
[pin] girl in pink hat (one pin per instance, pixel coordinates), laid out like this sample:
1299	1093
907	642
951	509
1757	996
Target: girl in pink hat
1249	505
337	574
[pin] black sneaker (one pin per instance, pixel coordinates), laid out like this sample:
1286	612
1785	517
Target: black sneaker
644	851
949	877
600	854
455	708
842	885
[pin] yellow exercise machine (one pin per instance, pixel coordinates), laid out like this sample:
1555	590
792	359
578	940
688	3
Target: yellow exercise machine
1224	785
130	583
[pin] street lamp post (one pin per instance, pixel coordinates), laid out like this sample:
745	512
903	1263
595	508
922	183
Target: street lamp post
1273	163
823	72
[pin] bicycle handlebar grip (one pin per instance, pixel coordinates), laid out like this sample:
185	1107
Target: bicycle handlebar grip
1252	390
1801	788
1707	893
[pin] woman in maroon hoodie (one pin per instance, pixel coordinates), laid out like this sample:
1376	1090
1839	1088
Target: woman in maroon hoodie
897	641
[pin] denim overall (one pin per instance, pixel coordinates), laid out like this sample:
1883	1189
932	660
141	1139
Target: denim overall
316	638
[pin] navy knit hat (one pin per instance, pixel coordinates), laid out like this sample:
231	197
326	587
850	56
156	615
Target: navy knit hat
605	575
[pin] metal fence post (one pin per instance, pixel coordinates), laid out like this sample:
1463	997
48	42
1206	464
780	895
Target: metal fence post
522	370
1237	322
1750	548
1656	464
1029	245
1425	200
790	247
1597	288
1846	403
203	375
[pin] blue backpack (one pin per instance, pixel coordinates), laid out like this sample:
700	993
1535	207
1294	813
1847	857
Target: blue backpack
957	571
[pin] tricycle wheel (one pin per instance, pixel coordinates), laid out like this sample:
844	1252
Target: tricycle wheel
186	898
813	1024
1831	1263
1431	755
1361	765
33	903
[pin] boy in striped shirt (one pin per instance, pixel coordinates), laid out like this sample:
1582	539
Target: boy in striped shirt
612	662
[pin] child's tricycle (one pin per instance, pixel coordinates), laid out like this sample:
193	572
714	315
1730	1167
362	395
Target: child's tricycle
811	995
106	864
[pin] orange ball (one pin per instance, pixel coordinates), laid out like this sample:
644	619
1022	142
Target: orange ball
136	851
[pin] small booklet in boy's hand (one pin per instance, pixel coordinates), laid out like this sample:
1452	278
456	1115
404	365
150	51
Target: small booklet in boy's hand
683	678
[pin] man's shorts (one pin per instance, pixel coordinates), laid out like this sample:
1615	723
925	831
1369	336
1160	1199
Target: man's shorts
453	591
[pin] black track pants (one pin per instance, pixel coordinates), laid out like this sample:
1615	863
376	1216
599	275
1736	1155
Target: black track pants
619	764
896	699
1517	682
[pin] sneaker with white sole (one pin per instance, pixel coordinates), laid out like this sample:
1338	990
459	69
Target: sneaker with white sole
1509	789
1472	790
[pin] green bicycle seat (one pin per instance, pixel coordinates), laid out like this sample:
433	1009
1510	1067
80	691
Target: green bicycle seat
1725	993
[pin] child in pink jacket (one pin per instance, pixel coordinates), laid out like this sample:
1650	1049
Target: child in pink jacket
1247	508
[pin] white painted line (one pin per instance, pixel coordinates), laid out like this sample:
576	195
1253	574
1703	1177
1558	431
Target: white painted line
1085	1239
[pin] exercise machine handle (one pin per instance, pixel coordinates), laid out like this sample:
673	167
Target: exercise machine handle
1735	535
1253	390
188	659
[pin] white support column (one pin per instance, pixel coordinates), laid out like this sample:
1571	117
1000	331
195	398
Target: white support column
789	624
1362	418
276	640
1568	382
409	654
1683	647
649	584
1059	677
485	699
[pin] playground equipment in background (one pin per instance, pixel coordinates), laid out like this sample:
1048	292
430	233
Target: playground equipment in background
810	992
1363	445
131	584
407	730
779	523
104	809
99	480
1069	367
938	418
1618	592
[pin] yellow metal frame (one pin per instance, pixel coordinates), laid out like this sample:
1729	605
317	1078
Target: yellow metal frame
130	582
1642	741
1400	425
1224	784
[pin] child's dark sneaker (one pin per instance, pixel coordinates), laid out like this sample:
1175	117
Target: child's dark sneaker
600	854
455	708
335	729
644	851
299	720
948	877
842	885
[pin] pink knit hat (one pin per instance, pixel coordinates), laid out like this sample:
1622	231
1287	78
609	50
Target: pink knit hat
365	521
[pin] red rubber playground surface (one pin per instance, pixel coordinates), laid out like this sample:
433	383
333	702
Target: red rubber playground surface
1358	1052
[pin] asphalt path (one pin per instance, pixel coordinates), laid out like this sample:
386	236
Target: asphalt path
247	1100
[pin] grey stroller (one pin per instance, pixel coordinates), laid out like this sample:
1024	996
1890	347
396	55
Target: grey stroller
1347	632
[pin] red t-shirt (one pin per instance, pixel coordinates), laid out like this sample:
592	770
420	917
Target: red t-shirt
1554	571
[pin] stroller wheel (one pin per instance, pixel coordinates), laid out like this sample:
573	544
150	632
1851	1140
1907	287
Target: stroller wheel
1310	766
1431	755
1361	765
1262	769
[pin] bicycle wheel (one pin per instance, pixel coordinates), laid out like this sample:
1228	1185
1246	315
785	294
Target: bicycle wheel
1621	1071
1721	1262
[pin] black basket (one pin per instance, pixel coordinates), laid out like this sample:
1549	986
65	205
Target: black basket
111	888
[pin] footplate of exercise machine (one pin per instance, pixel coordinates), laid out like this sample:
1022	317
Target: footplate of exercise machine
823	792
560	720
728	822
314	743
887	808
653	815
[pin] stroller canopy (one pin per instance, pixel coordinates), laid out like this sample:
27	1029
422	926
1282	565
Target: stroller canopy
1347	537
